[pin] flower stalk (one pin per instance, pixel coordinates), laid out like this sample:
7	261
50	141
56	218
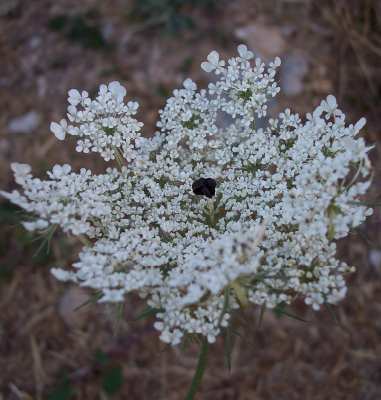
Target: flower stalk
200	369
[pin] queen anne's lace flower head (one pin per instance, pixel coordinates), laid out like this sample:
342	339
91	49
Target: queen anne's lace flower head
206	218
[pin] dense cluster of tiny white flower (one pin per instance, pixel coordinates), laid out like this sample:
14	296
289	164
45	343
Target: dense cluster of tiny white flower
205	218
104	125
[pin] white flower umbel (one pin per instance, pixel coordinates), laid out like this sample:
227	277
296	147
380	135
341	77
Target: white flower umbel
206	219
103	125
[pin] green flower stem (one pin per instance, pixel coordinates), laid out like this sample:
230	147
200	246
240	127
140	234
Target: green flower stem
119	158
201	365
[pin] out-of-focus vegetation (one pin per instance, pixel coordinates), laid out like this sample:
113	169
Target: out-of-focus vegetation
79	28
17	246
173	16
355	27
106	373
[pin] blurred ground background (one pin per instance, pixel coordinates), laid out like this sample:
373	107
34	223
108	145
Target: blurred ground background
48	351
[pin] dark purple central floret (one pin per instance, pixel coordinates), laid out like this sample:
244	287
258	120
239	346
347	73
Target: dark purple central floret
204	187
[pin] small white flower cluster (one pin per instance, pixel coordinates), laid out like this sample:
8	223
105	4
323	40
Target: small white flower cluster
205	219
80	203
104	125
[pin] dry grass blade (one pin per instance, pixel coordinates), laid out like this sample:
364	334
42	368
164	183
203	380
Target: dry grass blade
38	369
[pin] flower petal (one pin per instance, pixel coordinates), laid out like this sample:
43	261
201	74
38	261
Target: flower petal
117	90
21	169
213	57
207	66
360	124
58	131
331	100
74	97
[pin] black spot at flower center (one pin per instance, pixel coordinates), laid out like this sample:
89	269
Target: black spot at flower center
204	187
